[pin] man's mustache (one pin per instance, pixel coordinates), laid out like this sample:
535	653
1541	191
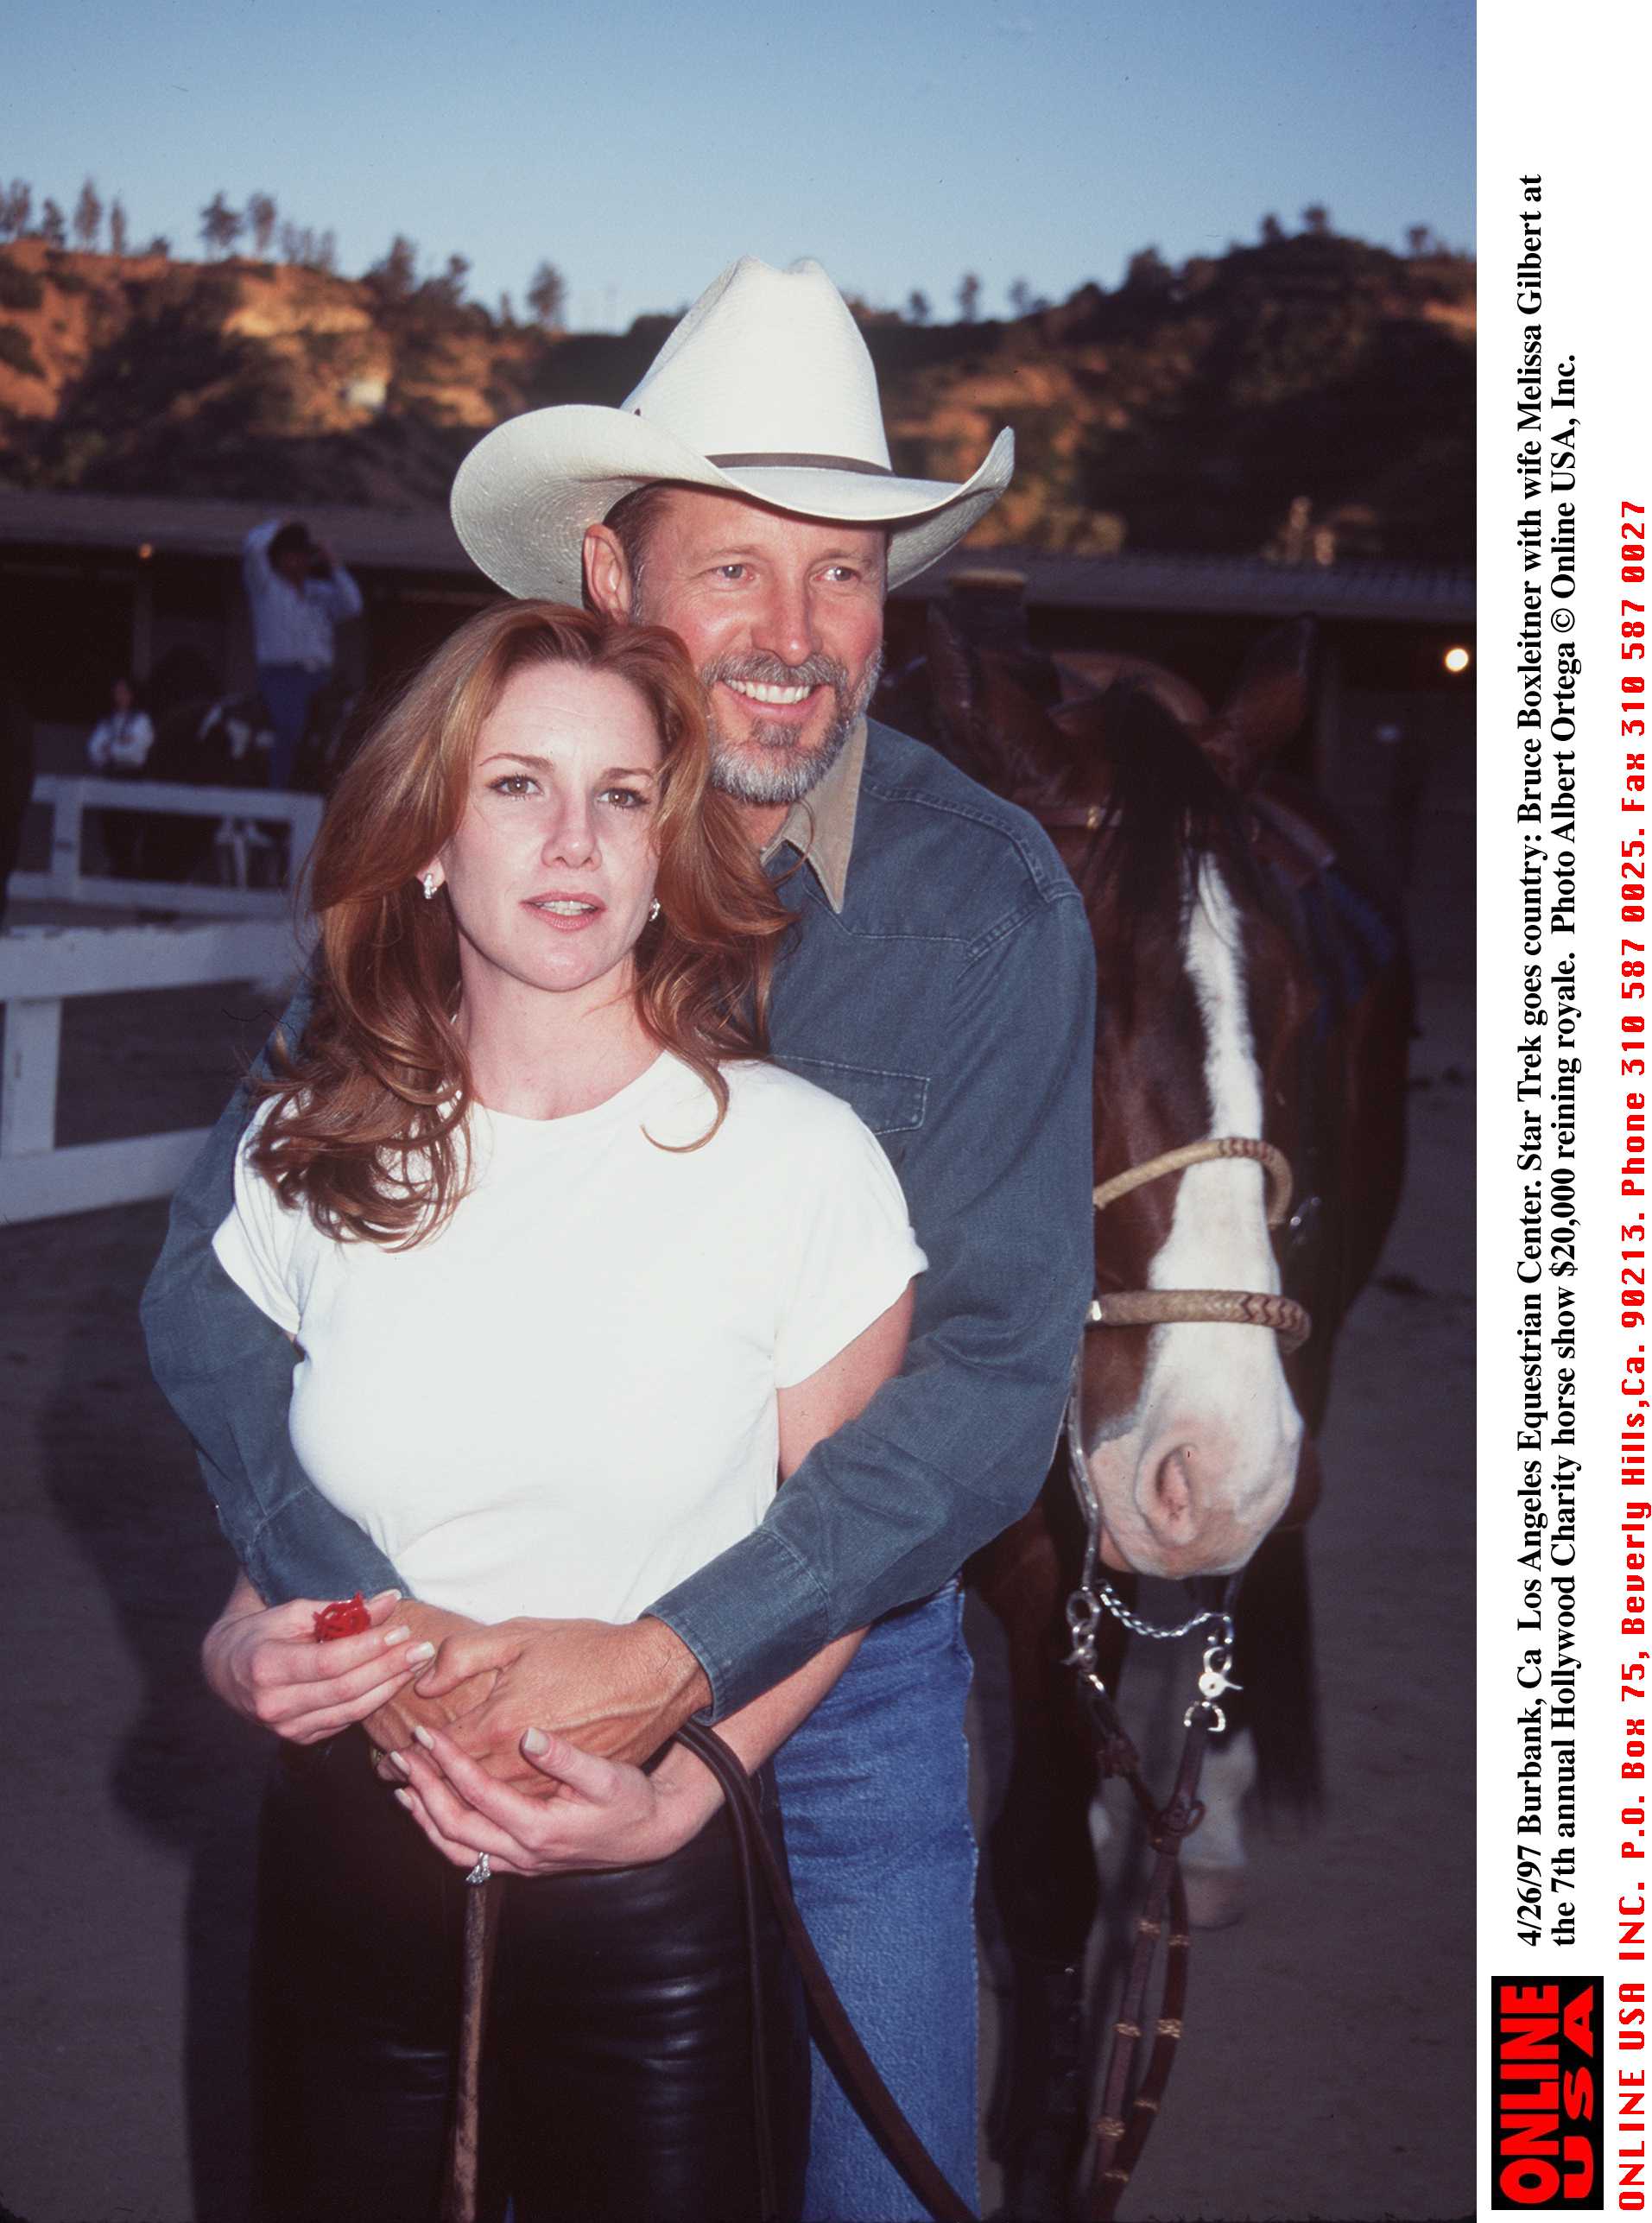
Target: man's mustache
760	670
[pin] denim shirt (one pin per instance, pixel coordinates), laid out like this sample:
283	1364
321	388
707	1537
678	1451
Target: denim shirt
949	998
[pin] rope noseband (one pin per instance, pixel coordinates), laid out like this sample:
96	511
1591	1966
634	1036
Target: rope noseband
1239	1307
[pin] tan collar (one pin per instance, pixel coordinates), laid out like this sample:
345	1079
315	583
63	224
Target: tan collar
821	828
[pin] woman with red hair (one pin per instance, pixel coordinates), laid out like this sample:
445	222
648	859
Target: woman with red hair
574	1278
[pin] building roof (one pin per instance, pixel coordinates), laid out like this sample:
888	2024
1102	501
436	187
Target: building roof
386	540
1236	586
424	541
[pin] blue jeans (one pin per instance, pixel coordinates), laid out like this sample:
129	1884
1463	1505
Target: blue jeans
874	1793
288	690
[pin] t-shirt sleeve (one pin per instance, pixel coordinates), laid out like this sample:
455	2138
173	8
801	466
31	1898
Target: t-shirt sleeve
852	1250
258	1244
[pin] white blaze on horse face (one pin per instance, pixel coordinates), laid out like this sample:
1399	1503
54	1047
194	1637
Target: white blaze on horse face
1205	1465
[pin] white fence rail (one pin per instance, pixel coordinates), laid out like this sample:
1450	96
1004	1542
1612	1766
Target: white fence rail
41	966
71	796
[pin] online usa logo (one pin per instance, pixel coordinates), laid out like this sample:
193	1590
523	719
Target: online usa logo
1546	2121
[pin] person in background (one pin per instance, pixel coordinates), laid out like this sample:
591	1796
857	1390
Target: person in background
121	743
119	748
299	593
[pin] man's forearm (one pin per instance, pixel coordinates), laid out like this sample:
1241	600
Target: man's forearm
947	1455
227	1371
761	1608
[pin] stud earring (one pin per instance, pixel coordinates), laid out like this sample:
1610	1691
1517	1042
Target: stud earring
430	884
654	910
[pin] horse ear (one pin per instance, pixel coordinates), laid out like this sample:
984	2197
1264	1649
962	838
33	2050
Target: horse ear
994	727
1085	673
1268	703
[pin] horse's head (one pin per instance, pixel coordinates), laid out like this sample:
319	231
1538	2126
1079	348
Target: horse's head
1190	1434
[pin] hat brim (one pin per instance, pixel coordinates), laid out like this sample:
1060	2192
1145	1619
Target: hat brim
526	493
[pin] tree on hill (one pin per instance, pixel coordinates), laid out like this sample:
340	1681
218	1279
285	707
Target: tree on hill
117	227
547	296
969	297
1316	218
393	277
220	225
16	204
53	229
261	219
306	249
1419	240
448	290
88	217
1272	231
917	306
1147	272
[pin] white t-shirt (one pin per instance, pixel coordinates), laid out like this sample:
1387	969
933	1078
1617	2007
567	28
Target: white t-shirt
563	1403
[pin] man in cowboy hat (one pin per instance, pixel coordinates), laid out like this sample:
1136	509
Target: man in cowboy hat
941	980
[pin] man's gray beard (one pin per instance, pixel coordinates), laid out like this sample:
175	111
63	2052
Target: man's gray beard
783	775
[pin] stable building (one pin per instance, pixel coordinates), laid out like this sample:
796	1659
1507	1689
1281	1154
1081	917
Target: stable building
93	587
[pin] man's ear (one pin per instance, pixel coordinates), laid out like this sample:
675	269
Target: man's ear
608	575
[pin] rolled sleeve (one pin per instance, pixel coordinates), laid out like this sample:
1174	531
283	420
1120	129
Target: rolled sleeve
947	1455
255	555
342	596
850	1255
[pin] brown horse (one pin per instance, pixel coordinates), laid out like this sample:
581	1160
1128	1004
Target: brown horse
1252	982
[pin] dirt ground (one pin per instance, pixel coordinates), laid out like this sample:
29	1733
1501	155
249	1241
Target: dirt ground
1327	2067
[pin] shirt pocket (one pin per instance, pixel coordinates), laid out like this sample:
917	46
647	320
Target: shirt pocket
888	1103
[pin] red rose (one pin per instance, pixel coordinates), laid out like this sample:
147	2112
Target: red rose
345	1617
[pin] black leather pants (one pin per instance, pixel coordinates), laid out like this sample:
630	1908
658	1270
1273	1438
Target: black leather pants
617	2072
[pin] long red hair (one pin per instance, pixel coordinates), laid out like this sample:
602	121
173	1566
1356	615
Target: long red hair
367	1127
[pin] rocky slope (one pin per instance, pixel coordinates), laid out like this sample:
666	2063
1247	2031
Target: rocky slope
1249	403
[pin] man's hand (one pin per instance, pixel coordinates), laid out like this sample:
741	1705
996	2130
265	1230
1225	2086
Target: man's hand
616	1690
391	1727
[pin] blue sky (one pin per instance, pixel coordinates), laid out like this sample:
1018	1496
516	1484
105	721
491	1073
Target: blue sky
641	147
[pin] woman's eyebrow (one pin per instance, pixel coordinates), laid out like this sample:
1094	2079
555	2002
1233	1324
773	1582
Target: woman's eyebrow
515	756
544	764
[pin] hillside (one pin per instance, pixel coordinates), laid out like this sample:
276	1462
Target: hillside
1312	390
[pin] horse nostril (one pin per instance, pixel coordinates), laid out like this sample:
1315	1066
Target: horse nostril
1172	1491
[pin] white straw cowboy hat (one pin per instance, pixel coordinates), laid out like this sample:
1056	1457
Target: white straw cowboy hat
765	389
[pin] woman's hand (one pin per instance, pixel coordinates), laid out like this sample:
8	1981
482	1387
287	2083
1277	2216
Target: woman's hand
600	1813
263	1661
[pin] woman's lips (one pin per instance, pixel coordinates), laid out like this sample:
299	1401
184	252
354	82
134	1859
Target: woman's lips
566	914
